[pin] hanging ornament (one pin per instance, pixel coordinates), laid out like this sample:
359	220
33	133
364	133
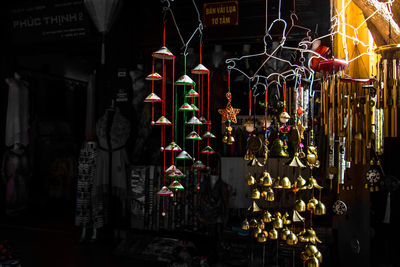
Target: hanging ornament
154	77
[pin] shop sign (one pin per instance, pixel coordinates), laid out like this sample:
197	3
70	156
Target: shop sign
220	13
52	21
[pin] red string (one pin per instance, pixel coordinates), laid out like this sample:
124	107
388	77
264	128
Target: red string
249	103
164	34
208	97
201	49
229	81
284	96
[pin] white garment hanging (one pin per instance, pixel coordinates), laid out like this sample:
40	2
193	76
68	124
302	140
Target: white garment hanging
17	122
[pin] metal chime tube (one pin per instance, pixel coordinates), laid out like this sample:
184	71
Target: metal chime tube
394	98
342	161
385	98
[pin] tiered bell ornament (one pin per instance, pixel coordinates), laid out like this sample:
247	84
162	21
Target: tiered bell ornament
185	80
256	232
320	209
291	239
184	156
173	147
300	205
193	121
254	163
162	121
312	157
192	93
200	69
255	194
198	165
277	183
277	149
165	192
208	135
267	217
285	183
186	107
277	223
176	174
207	150
250	179
154	77
262	237
260	224
245	225
312	203
254	207
163	53
270	195
299	184
193	136
253	223
286	220
267	179
170	169
296	162
312	262
152	98
176	185
284	233
312	183
273	234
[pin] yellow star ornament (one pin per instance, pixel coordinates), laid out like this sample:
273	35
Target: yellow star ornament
229	113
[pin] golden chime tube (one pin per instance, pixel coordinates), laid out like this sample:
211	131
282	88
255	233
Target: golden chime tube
355	115
348	129
394	97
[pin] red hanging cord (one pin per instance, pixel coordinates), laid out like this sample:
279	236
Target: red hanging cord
164	34
284	96
249	103
173	106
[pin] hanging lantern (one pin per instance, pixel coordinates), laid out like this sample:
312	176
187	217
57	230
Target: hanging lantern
152	98
186	107
176	174
163	53
173	147
171	169
193	136
192	93
208	150
185	80
200	69
184	156
193	121
176	185
195	109
154	77
208	135
163	121
165	192
198	165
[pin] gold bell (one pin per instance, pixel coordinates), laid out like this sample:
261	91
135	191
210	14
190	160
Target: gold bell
273	234
270	194
285	219
285	232
250	179
277	223
304	256
313	262
231	140
254	207
311	204
254	163
277	183
267	217
277	149
255	194
312	182
310	250
285	183
261	224
318	255
312	236
300	205
320	208
291	239
245	225
225	139
261	238
267	181
256	232
253	223
299	183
